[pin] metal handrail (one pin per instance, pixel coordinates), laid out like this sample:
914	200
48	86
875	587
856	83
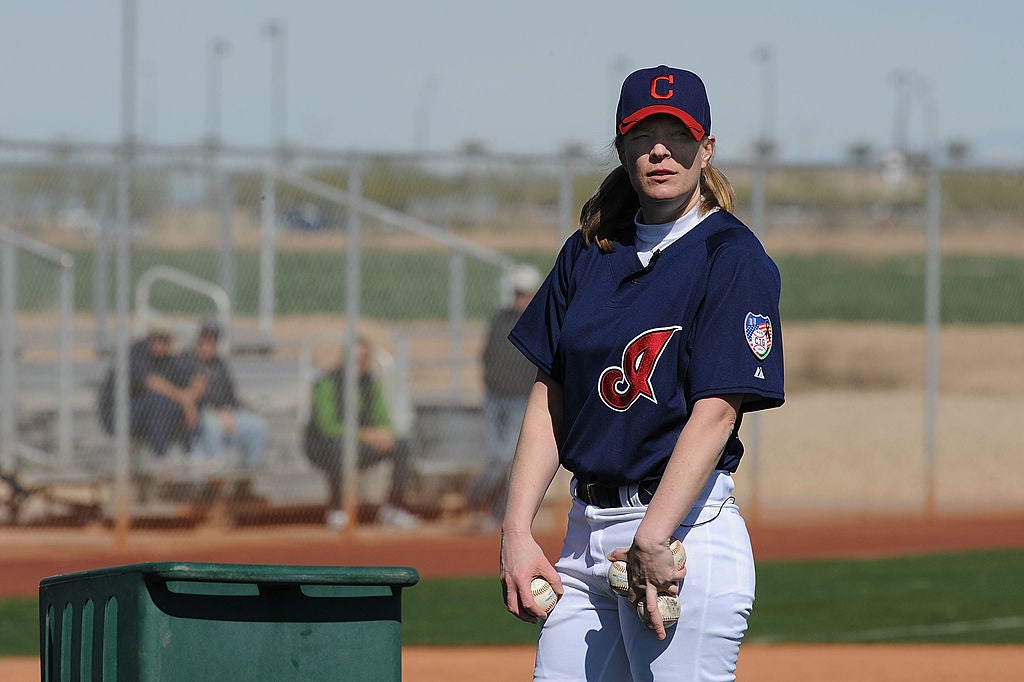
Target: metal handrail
11	240
392	217
144	312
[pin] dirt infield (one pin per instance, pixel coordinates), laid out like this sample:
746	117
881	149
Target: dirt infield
32	554
758	663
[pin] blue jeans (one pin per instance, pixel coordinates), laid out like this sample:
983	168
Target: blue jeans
504	419
249	436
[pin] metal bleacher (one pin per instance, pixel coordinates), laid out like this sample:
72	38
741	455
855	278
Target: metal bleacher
447	443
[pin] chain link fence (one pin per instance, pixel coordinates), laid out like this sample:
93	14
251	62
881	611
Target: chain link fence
300	257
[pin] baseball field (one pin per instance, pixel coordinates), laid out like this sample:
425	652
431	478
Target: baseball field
896	599
852	583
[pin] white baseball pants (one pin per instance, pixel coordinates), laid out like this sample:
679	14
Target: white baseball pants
594	635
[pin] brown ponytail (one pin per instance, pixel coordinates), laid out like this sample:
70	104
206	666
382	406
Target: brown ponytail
716	190
611	208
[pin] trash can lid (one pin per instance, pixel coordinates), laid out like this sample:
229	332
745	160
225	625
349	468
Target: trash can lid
397	576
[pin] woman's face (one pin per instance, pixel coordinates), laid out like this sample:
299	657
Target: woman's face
664	163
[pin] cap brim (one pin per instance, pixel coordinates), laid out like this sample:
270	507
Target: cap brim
696	129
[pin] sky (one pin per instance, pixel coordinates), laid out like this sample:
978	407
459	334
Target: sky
530	76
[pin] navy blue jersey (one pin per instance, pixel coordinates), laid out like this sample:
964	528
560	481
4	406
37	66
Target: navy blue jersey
635	347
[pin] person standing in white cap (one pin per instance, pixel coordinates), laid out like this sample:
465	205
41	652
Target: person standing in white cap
508	379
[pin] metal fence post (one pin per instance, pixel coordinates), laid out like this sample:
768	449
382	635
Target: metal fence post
932	292
404	414
227	235
268	236
353	297
101	274
125	175
8	348
64	367
565	201
457	317
122	344
932	312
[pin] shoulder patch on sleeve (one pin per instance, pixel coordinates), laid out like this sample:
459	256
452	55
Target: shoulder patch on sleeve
758	331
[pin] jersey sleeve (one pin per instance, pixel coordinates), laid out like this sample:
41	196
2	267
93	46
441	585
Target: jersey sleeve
737	335
537	332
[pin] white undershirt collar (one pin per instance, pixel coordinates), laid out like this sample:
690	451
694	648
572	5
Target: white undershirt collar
651	238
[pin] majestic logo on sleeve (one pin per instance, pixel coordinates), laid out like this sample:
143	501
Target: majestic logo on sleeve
758	330
620	387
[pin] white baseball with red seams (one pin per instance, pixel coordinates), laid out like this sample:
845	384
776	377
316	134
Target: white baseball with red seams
668	607
543	594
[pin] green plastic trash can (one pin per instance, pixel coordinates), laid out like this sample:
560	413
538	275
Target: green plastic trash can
200	621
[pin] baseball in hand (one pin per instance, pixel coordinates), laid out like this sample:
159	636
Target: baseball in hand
543	594
678	553
618	577
668	606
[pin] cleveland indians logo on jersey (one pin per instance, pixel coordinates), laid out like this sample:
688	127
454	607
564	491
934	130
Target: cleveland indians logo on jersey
620	387
758	330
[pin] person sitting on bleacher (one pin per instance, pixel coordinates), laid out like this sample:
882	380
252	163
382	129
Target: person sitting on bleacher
324	440
223	421
163	394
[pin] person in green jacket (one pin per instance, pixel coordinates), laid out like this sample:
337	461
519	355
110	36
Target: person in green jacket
324	440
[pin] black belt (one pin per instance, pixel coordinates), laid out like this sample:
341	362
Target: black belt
606	496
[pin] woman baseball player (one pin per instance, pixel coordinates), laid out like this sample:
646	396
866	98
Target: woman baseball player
655	331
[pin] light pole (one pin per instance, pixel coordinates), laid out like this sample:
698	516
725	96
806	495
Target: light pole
902	82
932	287
421	124
616	74
275	32
909	84
218	49
765	145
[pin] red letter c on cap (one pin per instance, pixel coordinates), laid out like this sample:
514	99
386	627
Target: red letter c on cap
668	93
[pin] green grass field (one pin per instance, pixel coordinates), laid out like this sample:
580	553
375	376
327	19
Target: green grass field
964	597
404	286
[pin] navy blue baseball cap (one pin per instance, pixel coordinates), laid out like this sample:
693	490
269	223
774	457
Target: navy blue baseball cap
210	327
664	90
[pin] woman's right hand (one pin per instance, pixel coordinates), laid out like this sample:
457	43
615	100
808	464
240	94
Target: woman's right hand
652	571
522	560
